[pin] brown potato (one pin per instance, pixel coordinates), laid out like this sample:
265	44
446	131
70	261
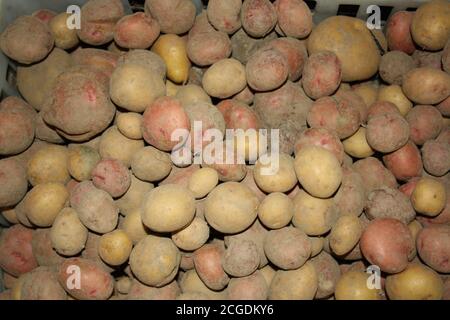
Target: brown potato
193	236
136	31
224	15
111	176
294	18
241	259
374	174
433	247
174	16
13	180
328	274
140	291
43	250
436	157
42	284
132	199
387	132
394	65
258	17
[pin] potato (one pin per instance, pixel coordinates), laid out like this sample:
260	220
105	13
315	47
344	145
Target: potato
239	203
44	15
111	176
26	40
252	287
206	48
299	284
322	74
172	49
224	78
395	64
81	161
114	145
42	284
405	163
136	31
352	285
43	250
374	174
430	26
155	260
394	244
398	33
96	208
16	256
85	88
318	170
48	165
335	114
244	46
267	69
208	264
389	203
68	235
428	59
129	124
433	247
132	225
224	15
43	203
351	197
288	248
387	132
272	178
328	274
174	16
395	95
444	107
429	197
160	121
134	87
203	181
345	234
358	54
65	38
45	133
140	291
276	210
323	138
98	18
258	17
356	145
94	283
436	157
190	283
35	81
91	252
13	180
426	85
312	215
145	58
193	236
150	164
294	18
425	123
241	259
180	176
115	247
97	60
191	94
416	282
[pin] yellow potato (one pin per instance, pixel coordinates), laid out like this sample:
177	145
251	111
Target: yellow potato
367	91
129	124
132	199
268	273
429	197
426	85
48	164
115	247
317	244
192	93
133	226
151	164
44	202
224	78
172	49
281	179
314	216
276	210
68	235
345	234
203	181
318	171
416	282
395	95
193	236
191	282
353	286
357	146
82	160
65	38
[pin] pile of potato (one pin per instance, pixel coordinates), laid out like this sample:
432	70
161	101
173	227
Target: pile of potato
90	189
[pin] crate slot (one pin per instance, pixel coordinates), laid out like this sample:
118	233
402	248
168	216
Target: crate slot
350	10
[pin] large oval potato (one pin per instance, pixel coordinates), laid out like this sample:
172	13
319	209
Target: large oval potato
426	85
224	78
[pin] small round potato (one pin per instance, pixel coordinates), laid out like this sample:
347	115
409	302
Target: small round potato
224	78
357	146
275	176
193	236
433	246
151	164
416	282
314	216
318	170
112	176
115	247
168	208
208	264
155	260
82	160
231	207
203	181
68	235
129	124
395	95
241	258
65	38
44	202
49	164
353	286
429	197
276	210
345	234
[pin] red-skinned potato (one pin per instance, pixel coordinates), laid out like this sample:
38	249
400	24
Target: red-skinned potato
13	179
436	157
224	15
137	31
174	16
294	18
374	174
208	264
425	123
398	33
404	163
323	138
433	246
258	17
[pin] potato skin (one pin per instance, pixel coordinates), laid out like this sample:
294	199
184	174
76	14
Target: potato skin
294	18
95	283
136	31
208	264
42	284
282	180
224	78
299	284
207	48
374	174
328	274
288	248
252	287
394	244
416	282
398	33
345	234
14	182
224	15
425	123
351	197
81	161
426	85
387	132
436	157
43	250
68	235
112	176
352	285
174	16
404	163
65	38
27	40
433	246
323	138
395	64
258	17
140	291
429	197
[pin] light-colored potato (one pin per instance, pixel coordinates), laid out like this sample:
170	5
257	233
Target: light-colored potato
429	197
317	244
224	78
203	181
275	175
49	164
168	208
353	286
395	95
132	199
276	210
68	235
193	236
345	234
150	164
133	226
129	124
65	38
318	171
115	247
357	146
426	85
314	216
192	93
82	160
